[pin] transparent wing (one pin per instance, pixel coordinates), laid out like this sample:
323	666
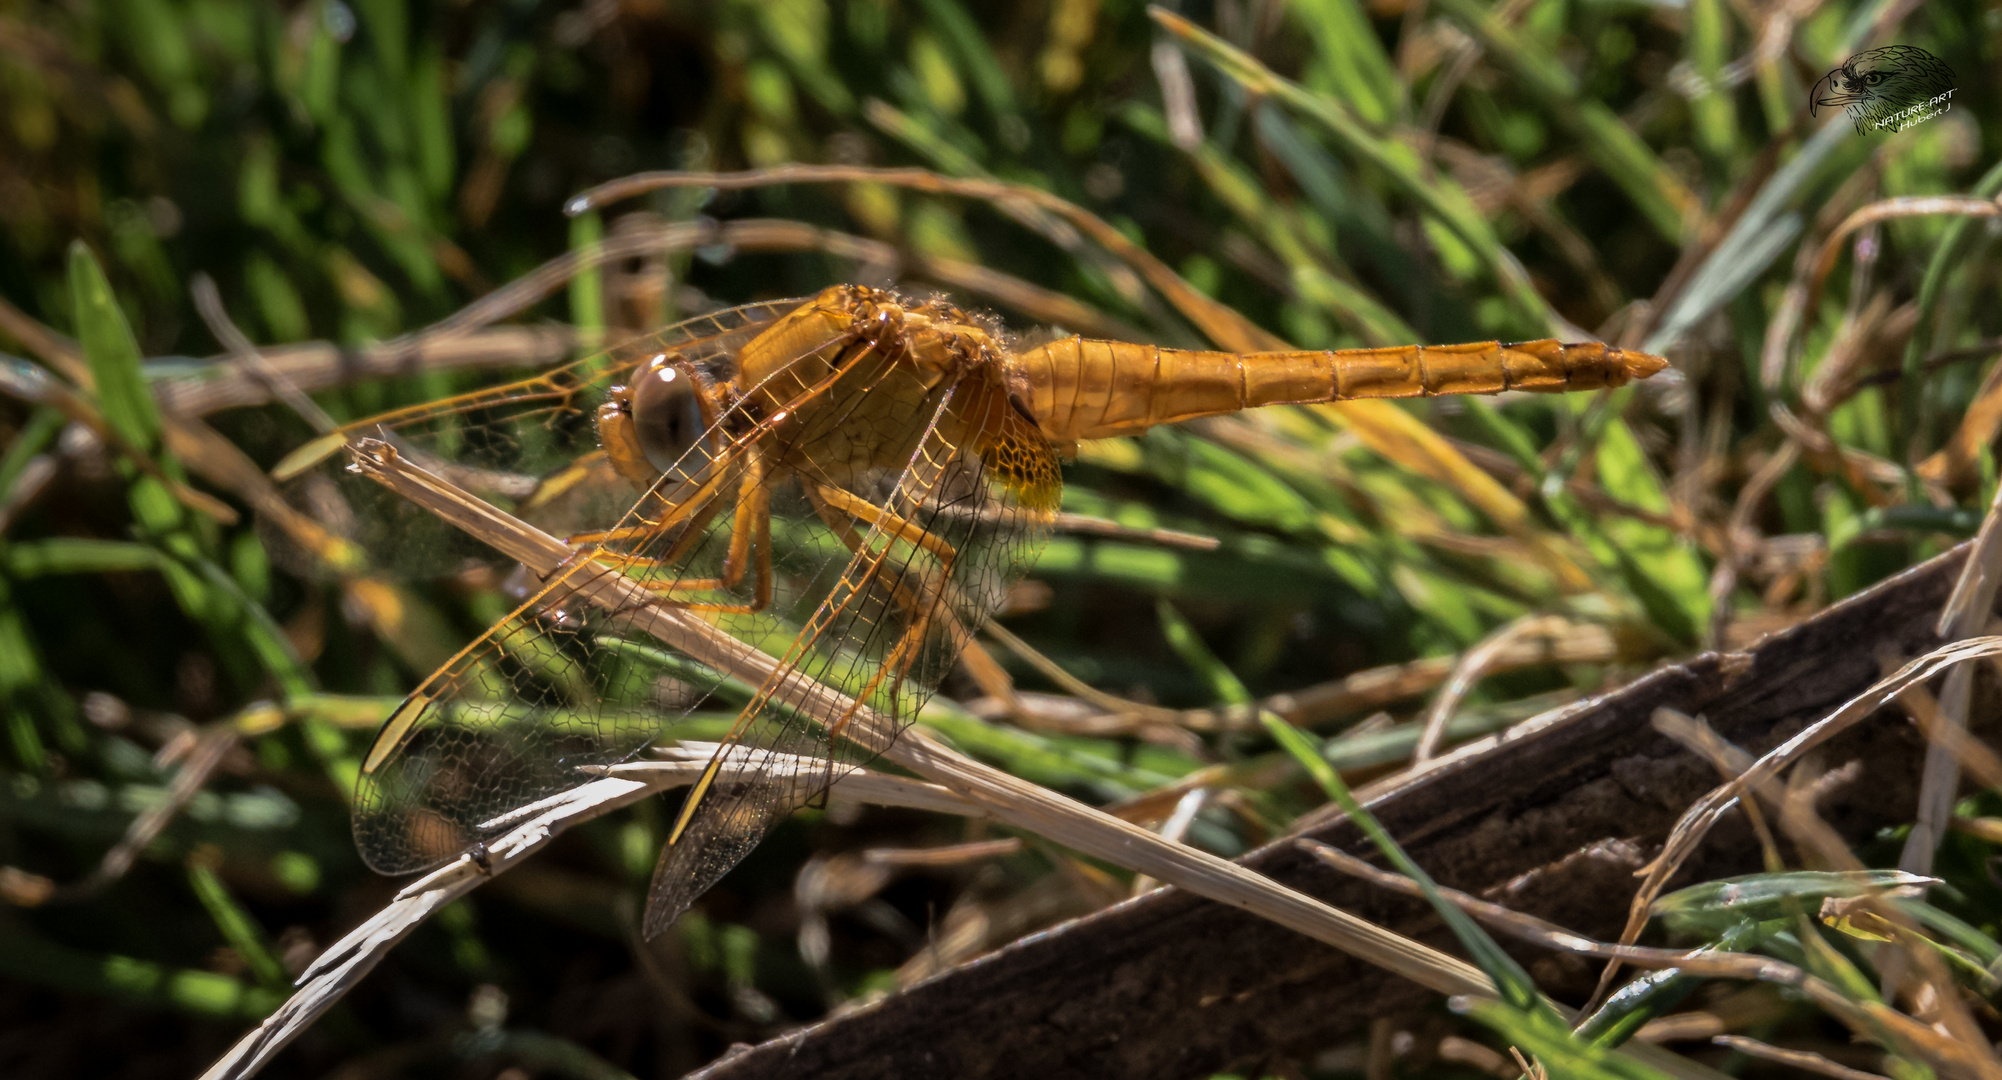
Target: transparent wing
556	685
847	518
925	553
527	445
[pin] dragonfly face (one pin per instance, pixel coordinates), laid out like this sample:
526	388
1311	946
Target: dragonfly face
657	423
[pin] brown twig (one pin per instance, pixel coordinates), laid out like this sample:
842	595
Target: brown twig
1217	321
1799	1059
210	748
1374	688
208	303
1476	664
318	365
1886	210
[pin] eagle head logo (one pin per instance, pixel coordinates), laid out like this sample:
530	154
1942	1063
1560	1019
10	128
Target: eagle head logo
1884	87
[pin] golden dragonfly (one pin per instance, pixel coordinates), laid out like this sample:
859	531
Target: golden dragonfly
849	483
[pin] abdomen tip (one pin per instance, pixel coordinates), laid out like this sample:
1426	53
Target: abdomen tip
1640	365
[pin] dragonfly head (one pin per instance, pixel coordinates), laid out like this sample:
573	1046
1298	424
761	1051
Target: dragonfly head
667	413
649	426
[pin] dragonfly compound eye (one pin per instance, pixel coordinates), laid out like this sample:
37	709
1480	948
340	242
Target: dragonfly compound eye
667	417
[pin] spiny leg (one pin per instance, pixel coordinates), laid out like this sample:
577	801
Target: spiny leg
987	672
750	542
886	519
698	527
677	512
698	510
751	523
829	502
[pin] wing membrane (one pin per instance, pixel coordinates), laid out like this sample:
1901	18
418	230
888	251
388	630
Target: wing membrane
514	716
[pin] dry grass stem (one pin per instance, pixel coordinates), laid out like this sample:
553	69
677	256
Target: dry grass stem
953	855
1886	210
1476	664
198	763
317	365
778	235
1087	525
1219	322
208	303
1730	761
1697	821
347	961
1174	829
1966	612
1799	1059
1373	688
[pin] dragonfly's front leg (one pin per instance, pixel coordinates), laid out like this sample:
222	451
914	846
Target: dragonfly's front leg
714	479
750	548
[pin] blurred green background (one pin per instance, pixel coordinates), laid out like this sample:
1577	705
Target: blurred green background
1342	173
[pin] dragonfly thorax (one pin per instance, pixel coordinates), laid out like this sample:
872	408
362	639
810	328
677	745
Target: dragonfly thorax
844	385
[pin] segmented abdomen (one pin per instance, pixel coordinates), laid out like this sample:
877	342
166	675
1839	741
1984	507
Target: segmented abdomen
1079	388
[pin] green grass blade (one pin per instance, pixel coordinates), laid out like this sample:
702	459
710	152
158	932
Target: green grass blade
1518	991
237	927
1189	646
1441	198
112	354
1714	907
587	288
1600	132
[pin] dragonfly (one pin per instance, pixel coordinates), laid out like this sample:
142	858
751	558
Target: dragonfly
849	483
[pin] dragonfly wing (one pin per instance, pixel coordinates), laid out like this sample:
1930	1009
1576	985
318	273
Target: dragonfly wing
512	719
500	442
931	549
558	684
848	518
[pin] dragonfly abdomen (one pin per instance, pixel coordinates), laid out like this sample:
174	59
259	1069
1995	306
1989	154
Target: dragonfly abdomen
1079	388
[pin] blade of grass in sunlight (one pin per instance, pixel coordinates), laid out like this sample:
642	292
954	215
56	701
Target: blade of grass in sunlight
1521	1013
1399	162
1605	138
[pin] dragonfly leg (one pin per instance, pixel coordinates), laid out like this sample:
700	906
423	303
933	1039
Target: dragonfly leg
698	527
648	528
887	520
844	529
898	660
987	672
830	503
750	549
561	482
697	512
